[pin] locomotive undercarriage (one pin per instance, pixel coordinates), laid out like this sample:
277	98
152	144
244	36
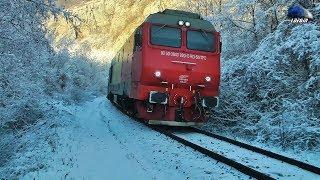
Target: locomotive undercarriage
157	110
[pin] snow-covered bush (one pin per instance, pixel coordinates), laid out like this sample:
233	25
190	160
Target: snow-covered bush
75	78
242	23
273	93
30	70
33	77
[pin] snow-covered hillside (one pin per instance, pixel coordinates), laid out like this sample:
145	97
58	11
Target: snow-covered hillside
33	77
273	93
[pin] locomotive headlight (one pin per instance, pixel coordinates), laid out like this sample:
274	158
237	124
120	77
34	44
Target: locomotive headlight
157	74
208	78
180	23
188	24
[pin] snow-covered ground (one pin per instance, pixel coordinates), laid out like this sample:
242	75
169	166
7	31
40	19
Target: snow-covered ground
99	142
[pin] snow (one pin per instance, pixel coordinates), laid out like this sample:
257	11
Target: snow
101	142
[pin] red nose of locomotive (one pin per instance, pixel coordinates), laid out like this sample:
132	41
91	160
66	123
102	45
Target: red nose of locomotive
185	85
180	73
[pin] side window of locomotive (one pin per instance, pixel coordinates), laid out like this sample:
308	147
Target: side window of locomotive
165	36
138	38
201	41
110	74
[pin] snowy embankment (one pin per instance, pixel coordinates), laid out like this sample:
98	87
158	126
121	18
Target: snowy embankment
272	95
100	142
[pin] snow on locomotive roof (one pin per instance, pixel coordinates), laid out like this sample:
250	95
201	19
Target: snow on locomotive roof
182	13
172	17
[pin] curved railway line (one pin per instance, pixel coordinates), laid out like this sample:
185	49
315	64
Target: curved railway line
176	133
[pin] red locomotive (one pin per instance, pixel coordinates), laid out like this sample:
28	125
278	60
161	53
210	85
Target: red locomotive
168	71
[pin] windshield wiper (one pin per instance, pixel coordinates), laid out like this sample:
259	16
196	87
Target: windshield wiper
160	28
206	35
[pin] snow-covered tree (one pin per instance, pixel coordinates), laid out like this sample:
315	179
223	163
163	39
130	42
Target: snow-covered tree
272	93
33	77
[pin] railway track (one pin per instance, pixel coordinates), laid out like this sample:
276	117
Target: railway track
300	164
288	165
242	168
181	135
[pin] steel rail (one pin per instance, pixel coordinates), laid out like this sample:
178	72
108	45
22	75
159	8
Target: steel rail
238	166
300	164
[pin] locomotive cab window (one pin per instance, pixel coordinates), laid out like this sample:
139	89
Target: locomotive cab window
201	41
165	36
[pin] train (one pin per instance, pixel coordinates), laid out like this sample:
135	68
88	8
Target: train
168	70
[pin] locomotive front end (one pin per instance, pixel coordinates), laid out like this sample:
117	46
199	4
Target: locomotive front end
180	73
168	71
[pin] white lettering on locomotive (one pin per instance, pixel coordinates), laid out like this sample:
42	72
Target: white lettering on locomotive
183	55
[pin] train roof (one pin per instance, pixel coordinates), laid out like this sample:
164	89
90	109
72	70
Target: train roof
171	17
